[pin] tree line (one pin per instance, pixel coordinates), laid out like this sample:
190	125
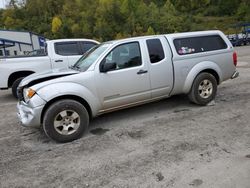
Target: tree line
113	19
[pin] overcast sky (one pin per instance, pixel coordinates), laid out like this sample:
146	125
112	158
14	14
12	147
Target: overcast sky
2	3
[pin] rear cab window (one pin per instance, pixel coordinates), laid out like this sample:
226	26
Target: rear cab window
73	47
67	48
155	50
192	45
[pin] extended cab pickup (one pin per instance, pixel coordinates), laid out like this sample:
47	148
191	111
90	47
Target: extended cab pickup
124	73
58	54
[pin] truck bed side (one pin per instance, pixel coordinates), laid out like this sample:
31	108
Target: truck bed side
12	66
188	66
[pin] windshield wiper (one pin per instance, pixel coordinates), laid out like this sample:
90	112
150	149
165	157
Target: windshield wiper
73	67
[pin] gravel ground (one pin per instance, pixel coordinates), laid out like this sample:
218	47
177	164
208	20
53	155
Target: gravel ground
170	143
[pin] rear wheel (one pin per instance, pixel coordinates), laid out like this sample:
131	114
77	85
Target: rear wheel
204	89
65	120
15	86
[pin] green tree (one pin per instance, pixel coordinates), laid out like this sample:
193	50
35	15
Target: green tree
228	7
243	13
108	19
150	31
170	21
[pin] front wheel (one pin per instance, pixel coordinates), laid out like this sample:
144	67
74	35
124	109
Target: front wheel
204	89
15	86
65	120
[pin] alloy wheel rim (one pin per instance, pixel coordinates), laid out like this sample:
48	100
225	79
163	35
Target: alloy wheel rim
205	89
67	122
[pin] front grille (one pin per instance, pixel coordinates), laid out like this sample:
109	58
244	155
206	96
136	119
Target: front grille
20	93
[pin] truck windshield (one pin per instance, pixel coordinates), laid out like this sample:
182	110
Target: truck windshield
90	57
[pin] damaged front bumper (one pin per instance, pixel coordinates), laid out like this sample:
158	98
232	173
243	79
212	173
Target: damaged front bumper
29	114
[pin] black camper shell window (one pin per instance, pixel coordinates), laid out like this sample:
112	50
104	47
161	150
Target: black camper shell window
191	45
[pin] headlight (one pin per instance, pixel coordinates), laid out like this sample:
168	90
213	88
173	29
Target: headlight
28	93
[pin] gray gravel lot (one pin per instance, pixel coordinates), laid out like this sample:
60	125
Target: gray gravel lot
170	143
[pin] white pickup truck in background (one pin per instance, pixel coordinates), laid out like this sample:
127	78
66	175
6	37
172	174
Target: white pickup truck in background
60	53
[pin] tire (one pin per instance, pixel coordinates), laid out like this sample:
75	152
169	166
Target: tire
15	86
204	89
65	120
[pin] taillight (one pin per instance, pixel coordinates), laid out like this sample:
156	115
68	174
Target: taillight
235	58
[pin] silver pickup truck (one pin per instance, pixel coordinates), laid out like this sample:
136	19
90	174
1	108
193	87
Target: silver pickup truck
124	73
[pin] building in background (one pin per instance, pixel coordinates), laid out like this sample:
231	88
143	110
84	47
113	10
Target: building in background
15	43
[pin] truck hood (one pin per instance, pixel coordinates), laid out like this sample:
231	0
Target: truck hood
37	78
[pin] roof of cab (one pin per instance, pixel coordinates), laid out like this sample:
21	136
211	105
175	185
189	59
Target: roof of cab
194	33
170	36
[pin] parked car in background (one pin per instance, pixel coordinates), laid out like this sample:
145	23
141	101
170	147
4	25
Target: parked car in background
239	39
124	73
242	35
60	53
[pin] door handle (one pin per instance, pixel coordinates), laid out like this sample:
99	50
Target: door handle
59	60
142	71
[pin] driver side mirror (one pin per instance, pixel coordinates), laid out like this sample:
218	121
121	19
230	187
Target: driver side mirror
108	67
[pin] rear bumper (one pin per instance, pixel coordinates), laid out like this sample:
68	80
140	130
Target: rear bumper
235	75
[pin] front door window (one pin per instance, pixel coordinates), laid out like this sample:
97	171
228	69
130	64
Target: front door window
125	56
